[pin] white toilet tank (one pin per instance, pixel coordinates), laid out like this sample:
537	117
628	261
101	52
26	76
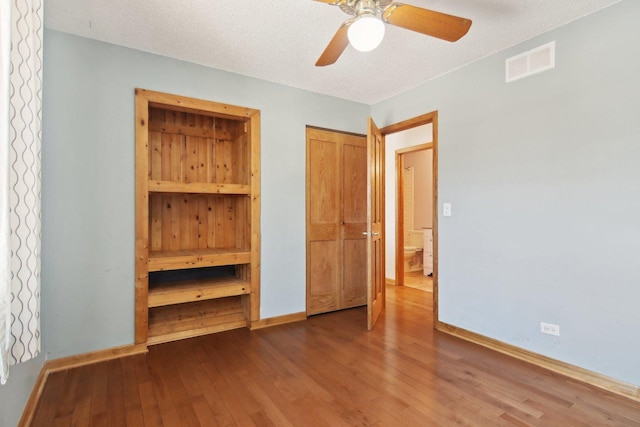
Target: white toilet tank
413	239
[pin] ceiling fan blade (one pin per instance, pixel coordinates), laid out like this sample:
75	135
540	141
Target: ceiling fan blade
336	46
429	22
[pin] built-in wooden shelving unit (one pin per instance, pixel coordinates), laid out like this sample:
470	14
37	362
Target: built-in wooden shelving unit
197	217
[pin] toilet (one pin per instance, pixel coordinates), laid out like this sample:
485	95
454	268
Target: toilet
413	251
412	259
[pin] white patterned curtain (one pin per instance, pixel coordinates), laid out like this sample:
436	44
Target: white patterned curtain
21	32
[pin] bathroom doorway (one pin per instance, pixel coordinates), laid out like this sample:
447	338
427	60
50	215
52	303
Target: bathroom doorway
414	263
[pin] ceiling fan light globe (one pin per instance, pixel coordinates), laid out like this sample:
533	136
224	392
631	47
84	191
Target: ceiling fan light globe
366	33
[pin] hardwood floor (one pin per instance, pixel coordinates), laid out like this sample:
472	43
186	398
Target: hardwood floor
417	280
327	371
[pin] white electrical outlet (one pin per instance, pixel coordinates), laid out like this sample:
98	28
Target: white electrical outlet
549	328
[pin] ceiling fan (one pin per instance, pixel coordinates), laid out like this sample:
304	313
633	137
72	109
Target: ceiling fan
366	29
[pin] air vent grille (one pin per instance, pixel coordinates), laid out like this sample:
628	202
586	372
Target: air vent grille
531	62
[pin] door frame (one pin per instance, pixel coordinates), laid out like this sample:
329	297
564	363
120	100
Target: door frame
429	118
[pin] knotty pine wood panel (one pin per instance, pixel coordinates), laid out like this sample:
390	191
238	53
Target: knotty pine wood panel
241	151
224	162
142	145
199	214
200	132
171	148
223	220
166	119
194	221
191	148
190	317
196	165
172	318
242	219
155	156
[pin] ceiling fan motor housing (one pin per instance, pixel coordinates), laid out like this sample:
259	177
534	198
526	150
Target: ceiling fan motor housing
359	7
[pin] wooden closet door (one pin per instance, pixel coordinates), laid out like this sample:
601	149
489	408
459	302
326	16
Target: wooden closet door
324	272
354	222
336	220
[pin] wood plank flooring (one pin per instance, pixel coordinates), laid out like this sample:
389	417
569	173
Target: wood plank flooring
327	371
417	280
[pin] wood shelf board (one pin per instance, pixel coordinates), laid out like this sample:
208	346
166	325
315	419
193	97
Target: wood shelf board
170	293
179	335
156	186
196	106
192	258
195	318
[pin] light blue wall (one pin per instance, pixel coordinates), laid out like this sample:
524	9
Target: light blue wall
14	394
88	182
544	179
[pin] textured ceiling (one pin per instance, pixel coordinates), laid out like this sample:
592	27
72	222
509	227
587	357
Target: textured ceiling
280	40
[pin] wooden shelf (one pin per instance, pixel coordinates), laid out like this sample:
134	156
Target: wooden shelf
198	187
188	320
169	293
192	258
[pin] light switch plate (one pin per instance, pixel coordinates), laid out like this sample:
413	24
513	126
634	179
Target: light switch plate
446	209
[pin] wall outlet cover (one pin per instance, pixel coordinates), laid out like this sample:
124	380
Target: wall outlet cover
550	328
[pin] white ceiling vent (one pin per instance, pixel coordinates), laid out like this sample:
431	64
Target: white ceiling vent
531	62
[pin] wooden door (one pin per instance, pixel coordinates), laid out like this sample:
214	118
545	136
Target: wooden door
336	220
375	224
354	221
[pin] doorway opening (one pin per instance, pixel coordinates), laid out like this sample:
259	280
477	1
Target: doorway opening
414	258
419	134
